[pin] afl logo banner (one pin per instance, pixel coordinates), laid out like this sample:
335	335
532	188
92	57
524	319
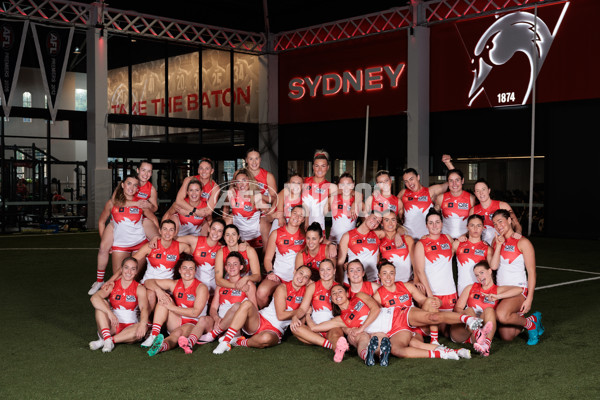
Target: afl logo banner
52	45
12	42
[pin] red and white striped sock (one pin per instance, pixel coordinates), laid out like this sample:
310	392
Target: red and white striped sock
327	344
464	318
229	335
243	342
434	336
105	333
100	275
164	347
156	329
435	354
530	322
193	339
488	342
363	354
216	332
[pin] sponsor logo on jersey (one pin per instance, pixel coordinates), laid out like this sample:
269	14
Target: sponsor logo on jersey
286	242
509	248
479	252
320	191
340	207
359	305
404	298
191	297
118	297
371	241
393	208
247	208
358	241
298	299
445	246
322	297
423	198
134	210
466	251
142	195
450	205
463	206
121	209
388	247
236	292
205	195
488	301
299	242
213	254
130	298
433	248
203	254
171	257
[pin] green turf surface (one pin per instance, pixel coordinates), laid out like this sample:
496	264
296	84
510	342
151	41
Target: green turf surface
48	322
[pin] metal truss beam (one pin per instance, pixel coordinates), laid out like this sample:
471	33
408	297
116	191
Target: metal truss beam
365	25
437	11
133	23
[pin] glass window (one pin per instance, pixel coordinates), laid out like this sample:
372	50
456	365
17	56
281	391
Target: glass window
80	100
27	104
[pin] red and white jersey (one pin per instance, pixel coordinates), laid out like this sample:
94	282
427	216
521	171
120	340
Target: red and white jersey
190	225
383	204
366	288
366	249
511	271
486	213
261	180
477	298
341	217
124	302
467	255
438	265
144	192
128	228
416	205
399	256
206	190
185	297
293	299
162	261
314	198
455	211
288	205
314	262
400	297
356	313
205	256
228	298
321	303
287	246
246	217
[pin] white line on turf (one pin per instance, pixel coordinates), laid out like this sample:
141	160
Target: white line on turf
572	270
566	283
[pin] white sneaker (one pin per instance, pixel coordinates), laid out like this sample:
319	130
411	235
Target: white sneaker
464	353
206	338
109	345
96	344
95	287
474	323
148	342
449	355
222	348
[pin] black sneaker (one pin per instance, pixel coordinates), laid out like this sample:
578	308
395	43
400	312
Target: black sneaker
371	349
385	348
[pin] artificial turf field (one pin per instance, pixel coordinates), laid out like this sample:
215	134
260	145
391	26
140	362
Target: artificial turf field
47	322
